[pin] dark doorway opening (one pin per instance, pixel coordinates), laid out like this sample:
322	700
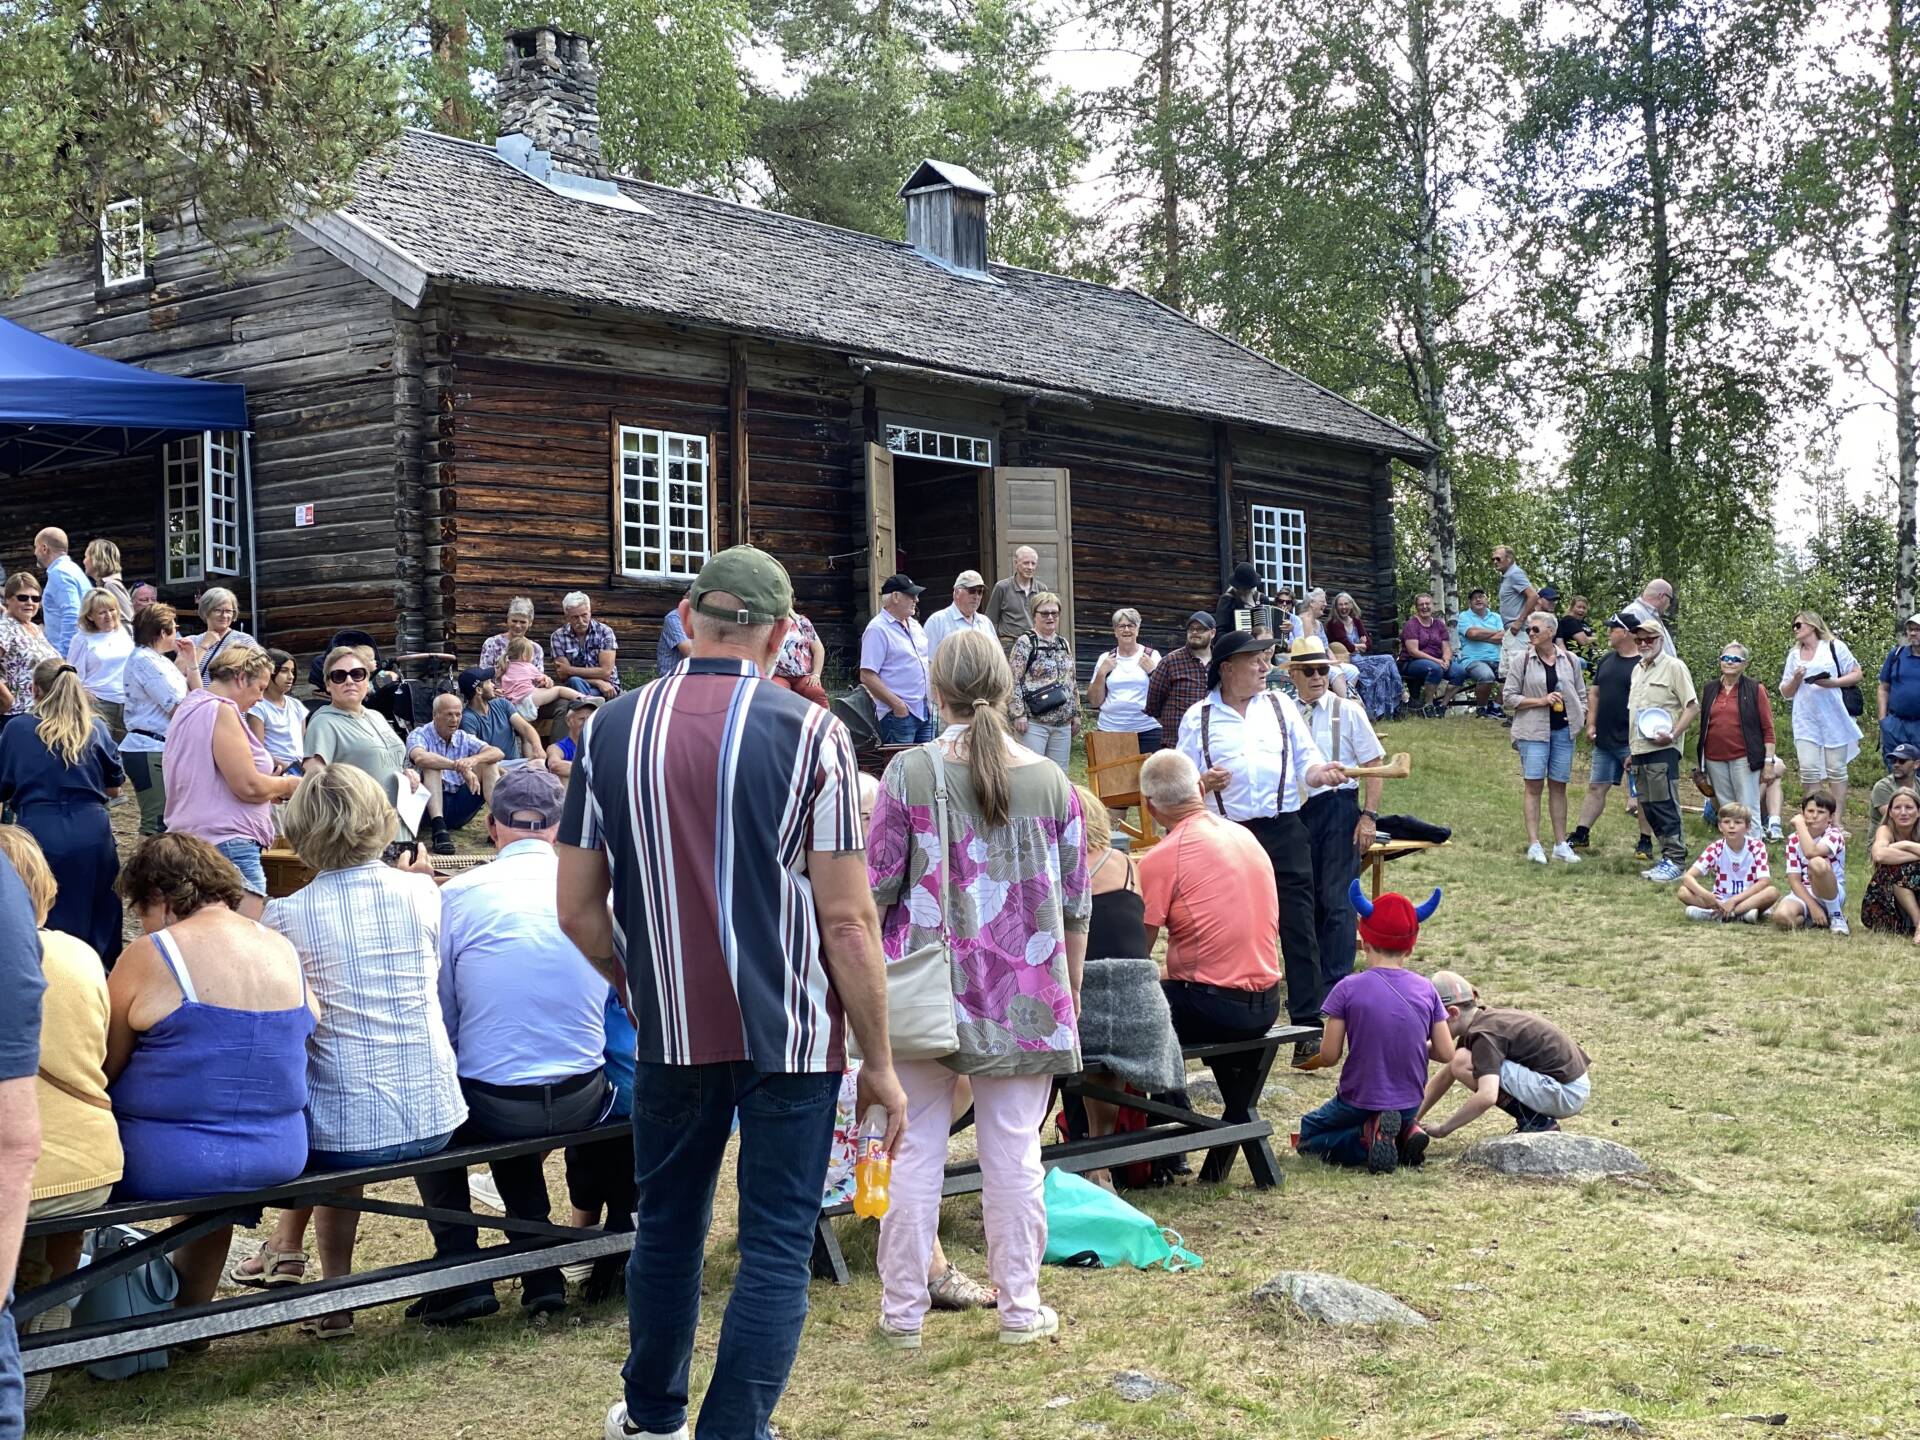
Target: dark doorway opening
938	513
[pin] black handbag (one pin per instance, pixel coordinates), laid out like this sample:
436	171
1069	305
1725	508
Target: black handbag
1849	694
1042	699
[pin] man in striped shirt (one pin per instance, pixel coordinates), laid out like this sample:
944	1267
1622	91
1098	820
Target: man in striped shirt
721	811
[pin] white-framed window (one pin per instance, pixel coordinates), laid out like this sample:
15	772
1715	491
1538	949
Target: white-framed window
123	242
665	485
202	490
1280	548
939	445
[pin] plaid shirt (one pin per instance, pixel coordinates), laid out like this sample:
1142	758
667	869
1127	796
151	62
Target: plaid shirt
1178	683
583	651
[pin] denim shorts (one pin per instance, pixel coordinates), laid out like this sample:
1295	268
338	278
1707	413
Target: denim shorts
1609	765
383	1155
245	855
1547	759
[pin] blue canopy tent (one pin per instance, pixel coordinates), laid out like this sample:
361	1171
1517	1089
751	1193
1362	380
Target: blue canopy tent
61	407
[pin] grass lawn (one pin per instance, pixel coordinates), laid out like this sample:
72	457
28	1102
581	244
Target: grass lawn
1770	1267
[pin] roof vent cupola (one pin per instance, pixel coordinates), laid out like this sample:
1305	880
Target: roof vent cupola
947	216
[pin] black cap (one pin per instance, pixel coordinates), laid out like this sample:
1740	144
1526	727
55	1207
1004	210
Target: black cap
1904	751
900	585
472	679
1547	592
1234	642
1245	576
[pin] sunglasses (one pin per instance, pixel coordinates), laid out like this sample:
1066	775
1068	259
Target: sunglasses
1733	659
1796	624
27	597
1645	639
1046	614
1309	669
975	589
341	677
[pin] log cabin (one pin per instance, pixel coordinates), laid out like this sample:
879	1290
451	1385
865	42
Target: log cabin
501	370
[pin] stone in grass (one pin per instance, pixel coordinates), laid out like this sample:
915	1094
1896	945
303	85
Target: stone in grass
1205	1090
1605	1420
1553	1155
1763	1352
1137	1385
1333	1300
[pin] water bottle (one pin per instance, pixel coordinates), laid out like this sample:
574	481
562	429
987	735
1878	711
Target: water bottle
873	1170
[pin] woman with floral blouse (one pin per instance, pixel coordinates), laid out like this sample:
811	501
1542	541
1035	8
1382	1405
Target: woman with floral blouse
1046	698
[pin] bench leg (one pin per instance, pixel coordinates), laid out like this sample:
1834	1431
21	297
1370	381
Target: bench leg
1248	1085
829	1263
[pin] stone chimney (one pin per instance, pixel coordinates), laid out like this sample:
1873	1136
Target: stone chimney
549	95
947	216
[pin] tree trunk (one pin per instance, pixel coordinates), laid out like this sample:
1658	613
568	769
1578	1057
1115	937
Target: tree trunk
1903	241
1170	287
1429	373
1234	291
1660	291
447	41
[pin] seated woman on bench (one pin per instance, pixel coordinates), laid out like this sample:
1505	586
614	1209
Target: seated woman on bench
206	1044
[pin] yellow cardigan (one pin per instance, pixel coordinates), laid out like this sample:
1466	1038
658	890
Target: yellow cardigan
79	1142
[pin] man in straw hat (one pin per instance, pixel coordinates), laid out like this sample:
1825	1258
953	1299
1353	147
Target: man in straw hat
746	948
1391	1021
1258	763
1340	819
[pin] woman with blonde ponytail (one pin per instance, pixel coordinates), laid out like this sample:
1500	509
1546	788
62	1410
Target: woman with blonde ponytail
58	769
1007	888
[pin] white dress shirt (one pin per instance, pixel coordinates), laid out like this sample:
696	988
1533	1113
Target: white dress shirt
1253	749
1358	744
950	621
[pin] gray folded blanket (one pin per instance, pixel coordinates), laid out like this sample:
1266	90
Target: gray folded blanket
1125	1026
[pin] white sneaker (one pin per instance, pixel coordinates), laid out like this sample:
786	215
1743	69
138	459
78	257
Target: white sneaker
1701	912
1749	917
1773	832
1047	1323
619	1429
897	1339
1536	854
1837	923
1564	851
482	1191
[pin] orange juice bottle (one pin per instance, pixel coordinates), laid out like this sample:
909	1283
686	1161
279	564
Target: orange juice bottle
873	1170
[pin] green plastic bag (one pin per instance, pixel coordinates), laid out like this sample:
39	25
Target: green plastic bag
1093	1228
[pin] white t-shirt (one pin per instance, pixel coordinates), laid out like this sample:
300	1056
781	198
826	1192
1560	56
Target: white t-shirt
100	657
1126	705
286	727
1820	715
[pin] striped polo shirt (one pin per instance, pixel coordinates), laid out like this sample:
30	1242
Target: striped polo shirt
706	789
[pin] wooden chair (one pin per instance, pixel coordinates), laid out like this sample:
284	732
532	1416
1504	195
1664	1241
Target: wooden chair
1113	773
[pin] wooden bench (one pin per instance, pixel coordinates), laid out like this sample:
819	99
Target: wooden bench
1171	1131
1376	855
283	1305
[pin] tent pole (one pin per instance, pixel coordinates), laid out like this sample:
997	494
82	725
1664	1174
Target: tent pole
253	559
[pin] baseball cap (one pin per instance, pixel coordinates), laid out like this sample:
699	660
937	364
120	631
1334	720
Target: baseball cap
969	580
900	585
1913	619
528	798
1453	989
746	571
585	702
1201	617
1548	592
1904	751
472	679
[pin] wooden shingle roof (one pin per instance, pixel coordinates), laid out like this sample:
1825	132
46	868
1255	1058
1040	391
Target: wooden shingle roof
435	209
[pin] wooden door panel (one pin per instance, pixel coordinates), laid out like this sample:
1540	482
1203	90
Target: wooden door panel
1034	506
881	531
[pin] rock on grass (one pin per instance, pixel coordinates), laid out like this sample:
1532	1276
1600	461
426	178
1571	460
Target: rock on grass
1333	1300
1137	1385
1554	1156
1605	1420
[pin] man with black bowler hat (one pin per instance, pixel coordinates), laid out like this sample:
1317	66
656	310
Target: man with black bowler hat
1257	764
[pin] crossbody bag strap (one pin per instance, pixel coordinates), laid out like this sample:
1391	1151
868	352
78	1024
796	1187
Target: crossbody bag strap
1206	750
940	822
99	1102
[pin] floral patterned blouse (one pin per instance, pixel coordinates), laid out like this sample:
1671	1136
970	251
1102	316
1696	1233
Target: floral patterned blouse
20	650
796	651
1037	664
1013	893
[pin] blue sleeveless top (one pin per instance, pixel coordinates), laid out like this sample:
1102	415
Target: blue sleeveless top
212	1100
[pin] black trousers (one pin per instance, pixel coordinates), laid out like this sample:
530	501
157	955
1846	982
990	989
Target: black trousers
1284	838
1330	817
513	1112
1208	1014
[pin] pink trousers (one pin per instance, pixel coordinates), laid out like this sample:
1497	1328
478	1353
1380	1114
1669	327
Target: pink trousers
1007	1114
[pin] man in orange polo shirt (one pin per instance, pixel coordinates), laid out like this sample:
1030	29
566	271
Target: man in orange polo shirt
1210	885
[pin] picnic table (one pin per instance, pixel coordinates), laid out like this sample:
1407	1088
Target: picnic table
1171	1131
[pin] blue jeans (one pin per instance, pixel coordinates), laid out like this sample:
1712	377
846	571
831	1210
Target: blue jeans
682	1115
1474	672
245	855
384	1155
1423	672
1549	759
908	729
1333	1132
581	685
13	1381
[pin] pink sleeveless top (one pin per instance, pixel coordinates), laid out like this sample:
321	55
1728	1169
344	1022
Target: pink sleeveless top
199	801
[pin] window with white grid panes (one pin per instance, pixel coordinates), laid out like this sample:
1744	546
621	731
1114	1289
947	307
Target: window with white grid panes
1280	548
185	492
939	445
123	242
664	504
221	466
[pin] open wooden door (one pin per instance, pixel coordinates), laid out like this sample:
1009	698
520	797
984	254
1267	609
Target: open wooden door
1033	506
882	544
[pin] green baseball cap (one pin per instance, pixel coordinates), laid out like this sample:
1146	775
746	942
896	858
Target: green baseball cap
758	580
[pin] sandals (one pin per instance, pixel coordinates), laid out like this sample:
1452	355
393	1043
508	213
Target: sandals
270	1274
957	1291
337	1326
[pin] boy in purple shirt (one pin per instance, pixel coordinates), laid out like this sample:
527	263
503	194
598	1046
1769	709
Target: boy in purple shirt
1392	1021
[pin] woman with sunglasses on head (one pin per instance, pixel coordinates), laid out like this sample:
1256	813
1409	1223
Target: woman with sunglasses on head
23	645
1825	738
344	731
1547	698
158	676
